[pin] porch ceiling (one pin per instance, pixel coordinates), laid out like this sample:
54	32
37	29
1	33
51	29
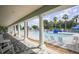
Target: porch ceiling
12	13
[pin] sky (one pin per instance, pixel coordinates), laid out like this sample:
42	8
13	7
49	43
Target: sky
70	12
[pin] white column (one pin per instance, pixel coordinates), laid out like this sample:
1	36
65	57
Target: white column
15	29
25	29
9	30
41	32
19	30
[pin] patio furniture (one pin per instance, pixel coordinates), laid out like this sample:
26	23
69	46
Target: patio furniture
5	45
60	41
72	43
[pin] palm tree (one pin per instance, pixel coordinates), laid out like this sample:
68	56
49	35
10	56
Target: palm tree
75	18
60	22
50	25
46	24
65	17
55	21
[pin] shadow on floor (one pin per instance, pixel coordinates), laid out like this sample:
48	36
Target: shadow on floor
19	47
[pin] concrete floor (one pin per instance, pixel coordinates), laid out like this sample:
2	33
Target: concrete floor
46	50
49	49
29	46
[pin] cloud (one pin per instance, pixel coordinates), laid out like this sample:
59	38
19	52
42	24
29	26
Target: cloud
70	12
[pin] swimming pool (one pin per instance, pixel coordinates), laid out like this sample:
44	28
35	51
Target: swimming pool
50	35
62	39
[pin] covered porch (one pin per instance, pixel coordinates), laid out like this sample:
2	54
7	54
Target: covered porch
19	14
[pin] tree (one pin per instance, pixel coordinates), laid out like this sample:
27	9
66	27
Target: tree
46	24
55	21
65	17
3	29
75	18
60	23
35	27
73	21
50	25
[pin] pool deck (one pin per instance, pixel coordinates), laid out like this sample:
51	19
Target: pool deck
31	44
50	48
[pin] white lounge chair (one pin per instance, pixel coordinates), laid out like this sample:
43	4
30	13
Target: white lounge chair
5	45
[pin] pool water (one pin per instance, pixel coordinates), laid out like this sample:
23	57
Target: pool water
50	35
61	39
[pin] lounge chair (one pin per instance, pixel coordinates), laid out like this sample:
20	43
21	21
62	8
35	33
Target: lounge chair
60	41
5	45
